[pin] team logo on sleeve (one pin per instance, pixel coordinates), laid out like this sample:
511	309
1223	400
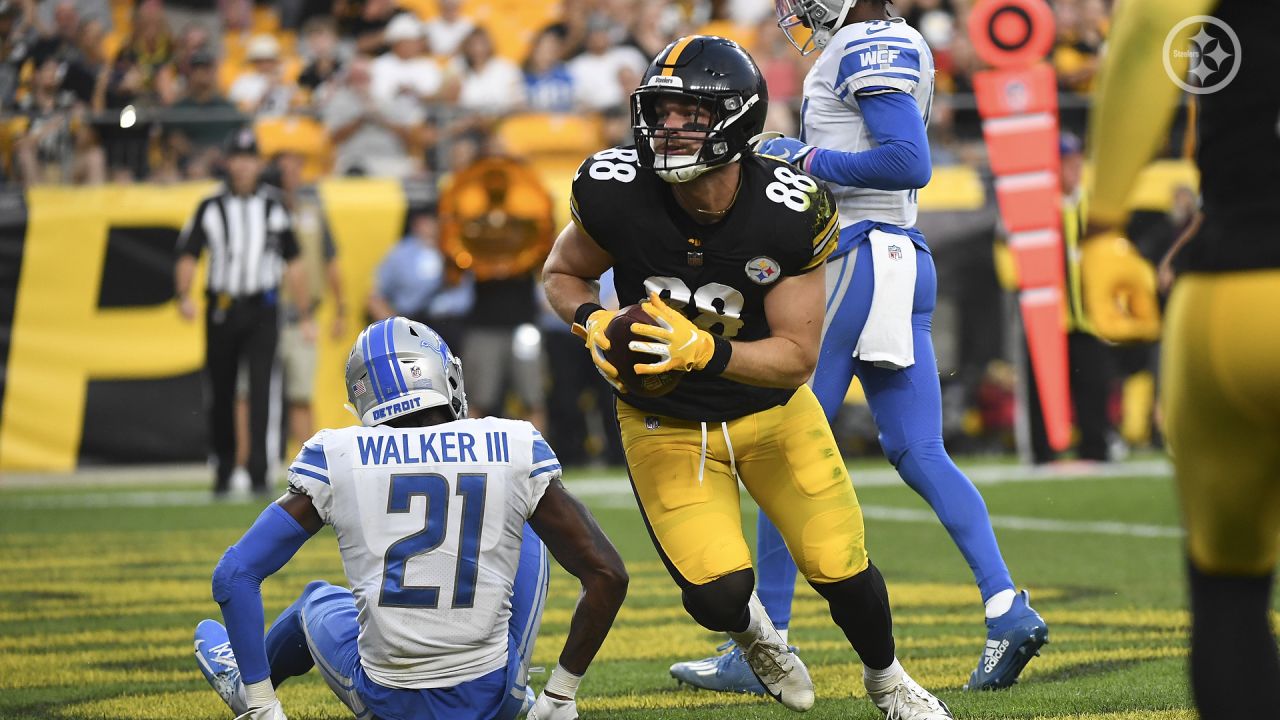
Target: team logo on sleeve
763	270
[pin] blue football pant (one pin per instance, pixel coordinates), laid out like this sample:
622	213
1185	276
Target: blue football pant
907	407
321	629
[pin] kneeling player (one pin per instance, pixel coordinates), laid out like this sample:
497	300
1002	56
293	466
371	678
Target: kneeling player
448	581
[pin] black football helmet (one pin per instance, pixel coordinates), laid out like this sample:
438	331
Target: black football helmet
718	77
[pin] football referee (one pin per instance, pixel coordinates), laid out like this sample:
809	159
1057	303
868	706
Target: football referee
247	231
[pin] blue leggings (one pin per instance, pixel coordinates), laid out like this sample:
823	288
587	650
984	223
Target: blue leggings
320	629
907	407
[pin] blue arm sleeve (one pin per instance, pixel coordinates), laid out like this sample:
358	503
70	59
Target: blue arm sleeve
901	162
237	584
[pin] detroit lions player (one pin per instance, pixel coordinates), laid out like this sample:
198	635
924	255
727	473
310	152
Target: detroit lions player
448	581
866	105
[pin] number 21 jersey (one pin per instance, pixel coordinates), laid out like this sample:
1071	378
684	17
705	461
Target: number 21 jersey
781	224
429	522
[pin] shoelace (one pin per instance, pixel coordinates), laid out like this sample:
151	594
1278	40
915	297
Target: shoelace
902	700
766	659
224	654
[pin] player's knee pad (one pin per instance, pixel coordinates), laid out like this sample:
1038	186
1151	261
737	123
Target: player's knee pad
833	546
228	570
721	605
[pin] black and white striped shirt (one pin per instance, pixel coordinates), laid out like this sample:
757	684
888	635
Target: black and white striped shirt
249	237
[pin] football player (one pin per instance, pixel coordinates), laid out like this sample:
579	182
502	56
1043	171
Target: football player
866	105
1221	379
438	519
726	249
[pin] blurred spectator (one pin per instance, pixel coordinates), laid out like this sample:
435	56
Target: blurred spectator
405	72
372	136
548	85
150	42
571	27
171	83
653	26
605	73
319	259
17	39
89	61
59	39
262	90
202	119
296	14
414	281
490	85
1082	26
324	62
446	31
121	121
778	61
55	147
363	22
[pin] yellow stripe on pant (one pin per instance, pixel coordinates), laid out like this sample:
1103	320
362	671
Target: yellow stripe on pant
1221	386
787	459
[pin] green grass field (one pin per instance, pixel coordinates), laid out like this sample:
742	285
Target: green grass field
102	588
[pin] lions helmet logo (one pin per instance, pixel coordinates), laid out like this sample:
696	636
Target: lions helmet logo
763	270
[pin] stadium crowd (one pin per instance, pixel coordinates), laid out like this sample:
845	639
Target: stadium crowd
116	91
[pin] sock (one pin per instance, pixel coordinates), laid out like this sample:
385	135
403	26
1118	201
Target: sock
783	633
758	626
1000	603
860	607
880	679
1235	672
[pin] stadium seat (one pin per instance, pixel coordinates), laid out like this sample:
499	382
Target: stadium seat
544	135
297	134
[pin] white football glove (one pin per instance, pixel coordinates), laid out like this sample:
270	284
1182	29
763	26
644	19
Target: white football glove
549	708
274	711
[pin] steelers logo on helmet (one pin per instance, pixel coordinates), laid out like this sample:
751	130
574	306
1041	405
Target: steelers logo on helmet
700	103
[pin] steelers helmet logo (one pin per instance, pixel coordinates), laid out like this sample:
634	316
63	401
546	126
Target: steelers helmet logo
763	270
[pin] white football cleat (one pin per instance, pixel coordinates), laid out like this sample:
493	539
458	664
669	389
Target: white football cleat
904	699
781	671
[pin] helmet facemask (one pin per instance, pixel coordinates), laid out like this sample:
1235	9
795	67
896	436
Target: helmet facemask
821	17
709	138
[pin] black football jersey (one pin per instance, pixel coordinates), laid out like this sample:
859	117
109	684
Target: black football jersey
782	223
1238	148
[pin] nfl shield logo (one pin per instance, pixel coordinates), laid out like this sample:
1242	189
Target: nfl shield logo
651	422
895	252
415	371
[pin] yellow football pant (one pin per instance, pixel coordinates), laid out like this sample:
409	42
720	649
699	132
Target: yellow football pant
1221	366
683	475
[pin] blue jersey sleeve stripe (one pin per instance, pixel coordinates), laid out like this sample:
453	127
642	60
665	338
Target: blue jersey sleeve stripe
872	59
542	452
299	470
872	81
545	469
313	456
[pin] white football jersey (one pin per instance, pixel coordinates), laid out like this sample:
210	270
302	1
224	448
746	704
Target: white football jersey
429	523
865	57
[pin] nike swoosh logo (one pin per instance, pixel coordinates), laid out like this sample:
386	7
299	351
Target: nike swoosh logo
873	31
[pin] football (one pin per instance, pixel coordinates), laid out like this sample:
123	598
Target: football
625	359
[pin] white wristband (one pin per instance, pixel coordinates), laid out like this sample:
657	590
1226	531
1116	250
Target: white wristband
260	694
562	683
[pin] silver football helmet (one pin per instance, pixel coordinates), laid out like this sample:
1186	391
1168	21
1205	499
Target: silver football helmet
398	366
823	17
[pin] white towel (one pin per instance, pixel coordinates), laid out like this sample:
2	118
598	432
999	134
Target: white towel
886	338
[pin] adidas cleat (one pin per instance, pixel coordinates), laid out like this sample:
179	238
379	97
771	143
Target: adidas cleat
218	664
904	699
1012	640
727	672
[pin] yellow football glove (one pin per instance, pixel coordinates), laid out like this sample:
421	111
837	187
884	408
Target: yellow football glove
682	345
597	343
1119	288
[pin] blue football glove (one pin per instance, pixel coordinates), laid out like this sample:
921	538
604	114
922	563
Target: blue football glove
789	150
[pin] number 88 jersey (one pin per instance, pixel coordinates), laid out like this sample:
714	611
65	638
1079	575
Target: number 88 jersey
782	223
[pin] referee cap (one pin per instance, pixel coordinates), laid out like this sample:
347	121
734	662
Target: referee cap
242	142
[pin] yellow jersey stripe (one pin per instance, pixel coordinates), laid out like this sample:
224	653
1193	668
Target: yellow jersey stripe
825	234
674	55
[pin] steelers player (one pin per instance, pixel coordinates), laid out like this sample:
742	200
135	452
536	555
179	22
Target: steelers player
728	249
1221	373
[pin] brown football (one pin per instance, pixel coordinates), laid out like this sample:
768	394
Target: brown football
625	359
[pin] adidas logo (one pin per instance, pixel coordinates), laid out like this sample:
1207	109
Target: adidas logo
995	651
